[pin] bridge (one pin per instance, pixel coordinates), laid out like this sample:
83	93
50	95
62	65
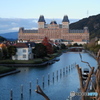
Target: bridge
76	49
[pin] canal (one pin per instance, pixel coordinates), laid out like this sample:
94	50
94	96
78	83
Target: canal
61	80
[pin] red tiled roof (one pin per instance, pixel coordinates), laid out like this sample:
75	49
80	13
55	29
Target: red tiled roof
21	45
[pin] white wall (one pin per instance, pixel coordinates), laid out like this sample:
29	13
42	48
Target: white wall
21	55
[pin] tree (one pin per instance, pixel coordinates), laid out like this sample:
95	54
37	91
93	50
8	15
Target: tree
11	51
63	46
55	49
4	52
75	44
39	50
48	43
1	54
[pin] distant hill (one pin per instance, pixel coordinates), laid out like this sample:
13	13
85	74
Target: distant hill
10	36
92	22
2	39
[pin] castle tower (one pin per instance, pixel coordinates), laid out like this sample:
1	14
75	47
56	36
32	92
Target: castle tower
21	29
86	30
41	22
65	22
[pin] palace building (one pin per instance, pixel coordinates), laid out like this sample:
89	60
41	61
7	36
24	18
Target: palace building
54	31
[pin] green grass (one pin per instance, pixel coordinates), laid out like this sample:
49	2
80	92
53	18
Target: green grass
4	69
34	61
39	60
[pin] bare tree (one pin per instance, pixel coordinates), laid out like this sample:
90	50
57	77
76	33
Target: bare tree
84	87
39	91
97	73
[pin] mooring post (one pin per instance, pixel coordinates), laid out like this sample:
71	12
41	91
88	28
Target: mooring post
11	94
53	77
43	81
57	74
66	69
75	64
48	78
37	81
22	90
69	68
30	86
60	73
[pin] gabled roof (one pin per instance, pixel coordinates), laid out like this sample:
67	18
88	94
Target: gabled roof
21	45
65	19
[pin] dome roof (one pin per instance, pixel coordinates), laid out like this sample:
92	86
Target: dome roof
53	22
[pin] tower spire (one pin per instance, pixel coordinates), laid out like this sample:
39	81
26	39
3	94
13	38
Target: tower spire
41	19
65	19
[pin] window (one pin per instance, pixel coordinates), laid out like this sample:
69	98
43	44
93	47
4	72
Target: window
24	56
24	50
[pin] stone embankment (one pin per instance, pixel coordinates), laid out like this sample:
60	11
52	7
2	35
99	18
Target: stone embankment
30	65
9	73
92	54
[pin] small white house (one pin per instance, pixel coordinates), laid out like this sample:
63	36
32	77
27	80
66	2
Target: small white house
24	52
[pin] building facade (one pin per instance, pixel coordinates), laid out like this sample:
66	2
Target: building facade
54	31
24	52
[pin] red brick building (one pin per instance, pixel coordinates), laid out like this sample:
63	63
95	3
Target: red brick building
54	31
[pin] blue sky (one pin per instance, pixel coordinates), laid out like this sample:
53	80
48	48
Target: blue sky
49	8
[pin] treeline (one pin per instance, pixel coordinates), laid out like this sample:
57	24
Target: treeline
92	22
92	46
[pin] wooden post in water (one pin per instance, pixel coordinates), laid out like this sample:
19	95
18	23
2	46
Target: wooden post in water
57	74
22	90
37	81
69	68
11	94
43	81
75	64
53	77
60	73
30	86
48	78
66	70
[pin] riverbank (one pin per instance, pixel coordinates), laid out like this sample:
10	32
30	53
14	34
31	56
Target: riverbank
4	71
31	63
92	54
9	73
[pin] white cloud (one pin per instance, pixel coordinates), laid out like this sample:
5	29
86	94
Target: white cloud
13	23
35	21
15	28
34	28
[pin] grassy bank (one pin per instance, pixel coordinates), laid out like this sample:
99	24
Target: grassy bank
33	61
4	69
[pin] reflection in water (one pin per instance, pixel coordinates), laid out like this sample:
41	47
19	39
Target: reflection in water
61	81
